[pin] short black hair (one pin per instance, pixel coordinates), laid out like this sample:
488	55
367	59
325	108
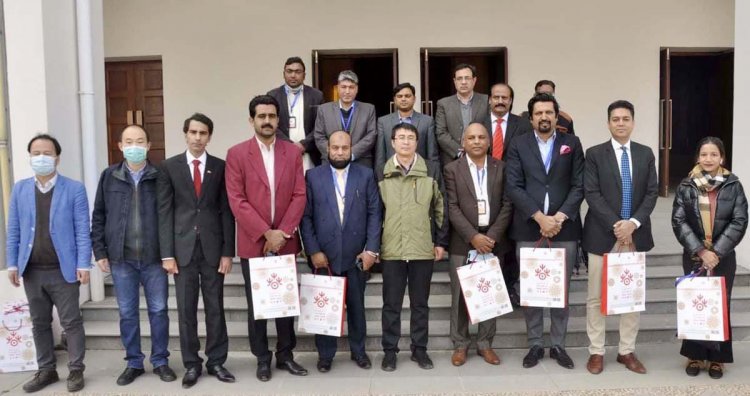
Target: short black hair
404	125
544	82
401	86
462	66
620	104
262	100
543	97
710	140
294	59
148	138
45	136
203	119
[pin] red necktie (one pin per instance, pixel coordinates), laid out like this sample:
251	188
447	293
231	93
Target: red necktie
197	177
497	140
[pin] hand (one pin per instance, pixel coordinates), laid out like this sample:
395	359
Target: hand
624	229
548	226
83	276
482	243
319	260
275	240
300	146
710	259
13	277
626	244
560	217
368	260
170	265
103	264
439	250
225	265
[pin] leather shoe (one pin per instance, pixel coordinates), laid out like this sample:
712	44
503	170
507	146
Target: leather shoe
264	371
129	375
559	354
221	373
191	377
363	361
324	365
693	367
459	357
75	380
632	363
595	364
165	373
292	367
532	358
423	360
389	361
41	379
715	370
489	356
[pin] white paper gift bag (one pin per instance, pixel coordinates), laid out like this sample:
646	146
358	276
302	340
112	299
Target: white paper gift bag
17	349
542	276
322	304
274	286
623	283
483	288
702	308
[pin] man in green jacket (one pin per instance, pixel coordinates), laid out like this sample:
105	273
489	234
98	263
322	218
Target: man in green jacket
415	234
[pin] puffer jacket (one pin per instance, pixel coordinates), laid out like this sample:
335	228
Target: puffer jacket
730	221
415	211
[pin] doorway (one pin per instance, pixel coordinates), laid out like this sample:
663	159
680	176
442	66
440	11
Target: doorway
371	66
437	71
135	96
696	99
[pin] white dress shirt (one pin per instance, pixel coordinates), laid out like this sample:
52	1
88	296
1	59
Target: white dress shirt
46	187
297	134
480	189
268	163
201	167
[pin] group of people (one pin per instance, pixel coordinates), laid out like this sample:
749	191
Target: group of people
400	191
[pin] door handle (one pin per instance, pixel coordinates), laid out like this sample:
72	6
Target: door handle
390	106
661	124
429	103
129	117
669	106
139	117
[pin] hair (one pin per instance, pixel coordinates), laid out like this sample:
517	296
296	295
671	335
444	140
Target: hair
543	97
262	100
45	136
406	126
348	75
294	59
462	66
401	86
203	119
710	140
620	104
544	82
148	138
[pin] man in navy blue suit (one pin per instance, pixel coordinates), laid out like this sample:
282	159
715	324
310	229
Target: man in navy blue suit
341	232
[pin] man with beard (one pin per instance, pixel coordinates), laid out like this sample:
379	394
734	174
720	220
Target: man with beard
544	179
341	233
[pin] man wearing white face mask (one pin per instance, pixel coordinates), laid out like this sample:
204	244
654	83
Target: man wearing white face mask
125	238
48	246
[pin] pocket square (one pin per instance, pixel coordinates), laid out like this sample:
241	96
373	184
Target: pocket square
565	149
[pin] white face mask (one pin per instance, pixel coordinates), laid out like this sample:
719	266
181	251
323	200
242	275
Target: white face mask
43	165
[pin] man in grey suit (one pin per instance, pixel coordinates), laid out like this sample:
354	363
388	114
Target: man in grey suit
403	97
348	115
456	112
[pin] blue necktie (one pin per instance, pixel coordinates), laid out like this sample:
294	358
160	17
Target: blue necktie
627	186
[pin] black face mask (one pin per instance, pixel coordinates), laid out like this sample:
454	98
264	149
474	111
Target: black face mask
339	164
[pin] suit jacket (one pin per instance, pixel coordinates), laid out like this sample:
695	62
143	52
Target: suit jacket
516	126
312	98
426	144
250	195
449	125
602	186
321	227
463	210
362	130
527	182
183	216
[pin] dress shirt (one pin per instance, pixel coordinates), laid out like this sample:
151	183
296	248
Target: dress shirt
340	177
545	149
480	190
268	162
466	110
404	170
504	124
201	167
46	187
407	119
618	153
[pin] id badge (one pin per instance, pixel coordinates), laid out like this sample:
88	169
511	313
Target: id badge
482	206
292	122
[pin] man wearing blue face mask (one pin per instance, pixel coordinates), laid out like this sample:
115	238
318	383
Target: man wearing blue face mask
125	238
48	246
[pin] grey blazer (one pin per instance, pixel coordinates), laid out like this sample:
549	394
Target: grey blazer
362	130
449	125
426	143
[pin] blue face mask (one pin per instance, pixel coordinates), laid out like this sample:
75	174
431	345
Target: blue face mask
134	154
43	165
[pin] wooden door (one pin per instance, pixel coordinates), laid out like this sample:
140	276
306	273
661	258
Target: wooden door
665	121
135	96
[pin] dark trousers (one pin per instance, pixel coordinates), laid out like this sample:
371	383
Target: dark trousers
199	275
257	330
396	274
355	317
720	352
511	270
45	289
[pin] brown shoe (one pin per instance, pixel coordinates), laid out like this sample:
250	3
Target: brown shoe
632	363
595	364
459	357
489	356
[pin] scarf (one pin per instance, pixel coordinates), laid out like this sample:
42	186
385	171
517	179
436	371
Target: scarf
707	183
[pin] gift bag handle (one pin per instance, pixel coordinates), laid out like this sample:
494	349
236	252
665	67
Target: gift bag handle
539	242
328	269
620	245
693	274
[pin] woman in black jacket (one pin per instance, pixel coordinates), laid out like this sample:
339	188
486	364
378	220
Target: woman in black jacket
709	218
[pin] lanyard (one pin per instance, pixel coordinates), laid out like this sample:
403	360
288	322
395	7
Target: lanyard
296	96
348	121
338	188
480	179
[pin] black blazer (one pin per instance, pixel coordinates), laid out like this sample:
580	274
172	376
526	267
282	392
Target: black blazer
602	186
312	97
516	126
527	183
182	215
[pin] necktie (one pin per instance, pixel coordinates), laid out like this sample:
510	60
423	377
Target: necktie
339	198
497	140
627	186
197	177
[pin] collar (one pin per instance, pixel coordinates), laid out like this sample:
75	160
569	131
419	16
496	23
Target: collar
190	157
345	170
354	102
550	140
472	165
494	117
398	164
411	115
48	185
289	89
467	101
263	146
135	172
616	145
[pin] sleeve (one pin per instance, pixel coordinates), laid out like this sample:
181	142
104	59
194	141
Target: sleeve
444	138
165	204
228	225
572	204
682	230
731	236
293	214
319	133
243	210
307	224
363	148
99	220
82	228
515	183
433	152
439	211
458	220
592	191
644	210
13	237
380	145
374	214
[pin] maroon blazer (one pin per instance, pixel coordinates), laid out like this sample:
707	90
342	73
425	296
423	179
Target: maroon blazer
250	196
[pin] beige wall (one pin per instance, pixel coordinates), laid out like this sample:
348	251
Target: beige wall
741	139
217	54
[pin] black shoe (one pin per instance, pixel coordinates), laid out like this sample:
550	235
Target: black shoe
715	370
389	361
221	373
129	375
292	367
165	373
264	371
75	380
324	365
41	379
191	377
532	358
424	361
559	354
363	361
693	367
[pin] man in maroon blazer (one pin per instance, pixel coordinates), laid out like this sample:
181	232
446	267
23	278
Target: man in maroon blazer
262	227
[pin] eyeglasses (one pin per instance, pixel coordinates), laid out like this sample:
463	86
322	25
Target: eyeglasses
408	138
464	78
